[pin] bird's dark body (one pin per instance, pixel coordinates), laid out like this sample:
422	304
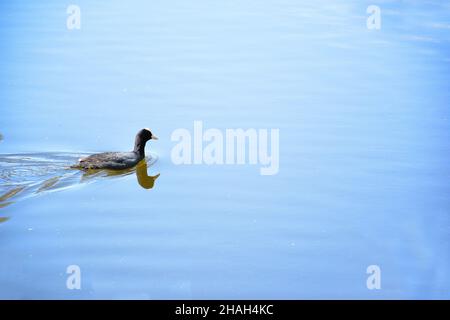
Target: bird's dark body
118	160
110	160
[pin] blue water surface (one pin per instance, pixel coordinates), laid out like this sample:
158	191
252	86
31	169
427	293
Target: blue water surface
364	149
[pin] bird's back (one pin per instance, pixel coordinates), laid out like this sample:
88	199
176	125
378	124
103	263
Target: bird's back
110	160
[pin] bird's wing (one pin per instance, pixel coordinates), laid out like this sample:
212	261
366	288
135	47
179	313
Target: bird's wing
105	157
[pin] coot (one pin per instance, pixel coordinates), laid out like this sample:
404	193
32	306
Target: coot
119	160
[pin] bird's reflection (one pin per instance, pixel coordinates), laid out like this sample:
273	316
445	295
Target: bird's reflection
144	180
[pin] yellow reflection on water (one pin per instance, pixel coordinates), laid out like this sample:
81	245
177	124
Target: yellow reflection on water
144	180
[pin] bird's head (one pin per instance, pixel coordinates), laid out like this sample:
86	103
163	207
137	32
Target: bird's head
145	135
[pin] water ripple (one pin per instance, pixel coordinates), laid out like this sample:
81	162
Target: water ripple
26	175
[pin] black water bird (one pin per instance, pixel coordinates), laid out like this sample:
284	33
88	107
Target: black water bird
119	160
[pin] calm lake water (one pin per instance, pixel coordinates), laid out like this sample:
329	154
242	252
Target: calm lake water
364	149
